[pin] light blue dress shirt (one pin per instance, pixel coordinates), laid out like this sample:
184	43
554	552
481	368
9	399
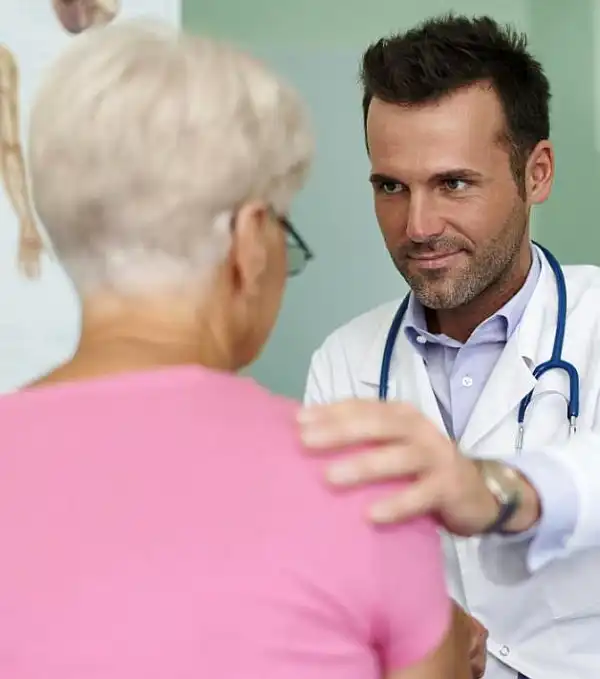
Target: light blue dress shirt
458	373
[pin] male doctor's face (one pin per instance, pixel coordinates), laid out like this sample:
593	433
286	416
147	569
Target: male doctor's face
452	215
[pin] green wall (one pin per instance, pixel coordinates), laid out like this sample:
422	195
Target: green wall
317	44
563	36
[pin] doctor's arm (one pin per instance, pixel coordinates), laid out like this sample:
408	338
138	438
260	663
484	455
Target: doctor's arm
558	486
401	442
405	443
556	491
567	480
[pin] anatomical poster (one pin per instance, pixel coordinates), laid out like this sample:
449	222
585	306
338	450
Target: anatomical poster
39	313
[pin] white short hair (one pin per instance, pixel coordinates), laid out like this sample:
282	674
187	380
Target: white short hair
143	142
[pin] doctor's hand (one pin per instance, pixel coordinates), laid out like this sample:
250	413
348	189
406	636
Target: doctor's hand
472	636
401	443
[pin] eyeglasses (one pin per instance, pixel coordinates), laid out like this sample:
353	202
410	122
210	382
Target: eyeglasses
298	252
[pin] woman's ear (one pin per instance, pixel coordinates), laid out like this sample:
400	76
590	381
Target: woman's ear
250	245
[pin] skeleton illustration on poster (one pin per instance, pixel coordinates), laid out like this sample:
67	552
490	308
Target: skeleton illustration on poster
39	315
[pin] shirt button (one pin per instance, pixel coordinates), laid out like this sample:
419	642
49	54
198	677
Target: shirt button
467	381
421	339
504	651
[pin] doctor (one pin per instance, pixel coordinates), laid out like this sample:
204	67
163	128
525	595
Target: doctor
457	128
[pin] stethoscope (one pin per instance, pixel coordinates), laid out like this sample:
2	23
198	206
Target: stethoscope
556	361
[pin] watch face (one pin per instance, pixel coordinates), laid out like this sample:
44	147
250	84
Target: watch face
76	16
501	479
503	483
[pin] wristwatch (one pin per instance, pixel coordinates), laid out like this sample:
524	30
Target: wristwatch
504	484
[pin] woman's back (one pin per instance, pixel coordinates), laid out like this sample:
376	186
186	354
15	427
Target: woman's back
166	524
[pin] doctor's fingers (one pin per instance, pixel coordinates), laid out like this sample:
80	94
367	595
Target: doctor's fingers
478	646
478	649
417	499
388	462
355	421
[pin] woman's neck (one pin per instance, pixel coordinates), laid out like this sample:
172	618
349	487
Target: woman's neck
117	337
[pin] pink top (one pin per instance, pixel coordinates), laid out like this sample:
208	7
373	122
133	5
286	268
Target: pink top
168	525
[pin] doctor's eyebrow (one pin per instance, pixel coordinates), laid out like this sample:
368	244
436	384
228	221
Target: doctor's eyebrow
376	178
459	173
439	177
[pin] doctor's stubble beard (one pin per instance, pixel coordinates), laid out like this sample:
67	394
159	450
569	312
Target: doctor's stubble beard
489	265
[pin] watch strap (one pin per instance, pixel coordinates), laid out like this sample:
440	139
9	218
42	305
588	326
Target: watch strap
506	513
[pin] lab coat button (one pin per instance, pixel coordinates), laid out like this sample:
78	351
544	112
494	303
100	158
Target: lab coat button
421	339
504	651
467	381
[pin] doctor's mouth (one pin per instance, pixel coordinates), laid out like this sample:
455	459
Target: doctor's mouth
435	260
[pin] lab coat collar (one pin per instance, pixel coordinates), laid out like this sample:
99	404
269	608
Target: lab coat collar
543	302
512	377
371	368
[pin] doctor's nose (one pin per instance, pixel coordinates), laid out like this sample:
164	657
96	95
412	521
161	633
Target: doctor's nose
422	222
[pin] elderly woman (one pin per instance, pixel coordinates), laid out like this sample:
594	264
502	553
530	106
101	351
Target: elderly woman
161	520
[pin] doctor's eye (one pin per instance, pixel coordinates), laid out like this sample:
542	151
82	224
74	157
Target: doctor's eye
390	188
455	184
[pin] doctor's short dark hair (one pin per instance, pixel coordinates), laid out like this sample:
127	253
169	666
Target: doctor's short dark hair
447	53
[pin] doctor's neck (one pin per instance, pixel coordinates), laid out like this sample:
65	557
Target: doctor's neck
460	322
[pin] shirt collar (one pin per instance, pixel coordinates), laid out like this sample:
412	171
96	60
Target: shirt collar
496	328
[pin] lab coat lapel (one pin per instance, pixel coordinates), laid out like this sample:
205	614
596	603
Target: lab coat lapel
512	378
409	381
414	386
509	382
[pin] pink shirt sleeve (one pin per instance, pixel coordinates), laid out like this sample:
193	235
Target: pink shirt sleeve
414	607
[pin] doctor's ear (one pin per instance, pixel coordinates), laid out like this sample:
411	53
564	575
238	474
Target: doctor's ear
539	173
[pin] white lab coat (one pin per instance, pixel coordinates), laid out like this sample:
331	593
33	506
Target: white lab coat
546	624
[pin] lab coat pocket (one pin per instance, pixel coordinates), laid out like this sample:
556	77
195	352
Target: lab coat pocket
573	586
